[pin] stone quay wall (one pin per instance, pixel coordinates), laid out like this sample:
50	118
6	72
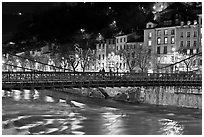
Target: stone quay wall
172	96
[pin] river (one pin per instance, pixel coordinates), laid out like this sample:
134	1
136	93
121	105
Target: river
48	112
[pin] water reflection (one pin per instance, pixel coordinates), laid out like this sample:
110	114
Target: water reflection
27	94
171	127
113	123
49	99
17	95
36	95
41	112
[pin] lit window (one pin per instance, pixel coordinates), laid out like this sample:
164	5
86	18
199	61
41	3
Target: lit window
188	51
194	51
165	32
165	40
150	34
158	41
172	40
149	42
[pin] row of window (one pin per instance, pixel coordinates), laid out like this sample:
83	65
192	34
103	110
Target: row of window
101	46
159	32
110	41
164	50
119	40
189	51
188	43
129	46
103	57
165	40
188	34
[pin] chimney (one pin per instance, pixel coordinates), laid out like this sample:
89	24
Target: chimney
182	23
188	22
195	22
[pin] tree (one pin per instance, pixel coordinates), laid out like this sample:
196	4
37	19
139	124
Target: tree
142	58
85	58
125	55
188	62
137	57
68	54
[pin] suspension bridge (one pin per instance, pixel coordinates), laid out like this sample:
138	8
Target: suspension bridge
37	79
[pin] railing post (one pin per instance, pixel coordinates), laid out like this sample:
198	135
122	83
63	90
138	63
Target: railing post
9	76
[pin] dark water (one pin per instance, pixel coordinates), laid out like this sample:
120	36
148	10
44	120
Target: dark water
50	112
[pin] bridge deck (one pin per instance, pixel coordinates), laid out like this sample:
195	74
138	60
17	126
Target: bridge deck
17	80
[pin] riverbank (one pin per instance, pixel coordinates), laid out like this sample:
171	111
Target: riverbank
171	96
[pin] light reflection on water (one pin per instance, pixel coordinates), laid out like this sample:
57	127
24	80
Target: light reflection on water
171	127
48	112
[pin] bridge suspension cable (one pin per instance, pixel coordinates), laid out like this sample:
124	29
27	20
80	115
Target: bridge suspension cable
200	53
22	67
40	62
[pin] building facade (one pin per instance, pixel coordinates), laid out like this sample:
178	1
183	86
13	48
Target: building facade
101	49
172	44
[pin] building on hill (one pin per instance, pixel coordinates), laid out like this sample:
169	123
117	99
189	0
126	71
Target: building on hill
173	42
173	13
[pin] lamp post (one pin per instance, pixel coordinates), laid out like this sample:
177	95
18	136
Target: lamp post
117	67
174	58
63	64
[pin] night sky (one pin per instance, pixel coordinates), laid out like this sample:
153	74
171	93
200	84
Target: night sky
66	18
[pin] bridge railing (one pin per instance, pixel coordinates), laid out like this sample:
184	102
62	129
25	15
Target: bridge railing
95	76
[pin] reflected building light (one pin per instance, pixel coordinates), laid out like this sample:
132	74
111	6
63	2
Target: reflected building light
11	43
3	93
3	61
76	124
36	94
62	101
171	127
49	99
114	122
82	30
16	95
9	94
27	94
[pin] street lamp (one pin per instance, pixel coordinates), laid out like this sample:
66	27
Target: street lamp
117	67
174	58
